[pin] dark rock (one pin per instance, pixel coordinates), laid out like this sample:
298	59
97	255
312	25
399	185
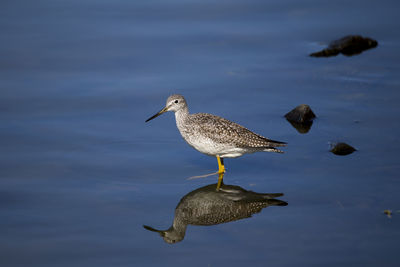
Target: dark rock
300	114
301	118
349	45
342	149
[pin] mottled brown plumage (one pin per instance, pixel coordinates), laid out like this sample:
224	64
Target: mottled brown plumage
216	136
223	131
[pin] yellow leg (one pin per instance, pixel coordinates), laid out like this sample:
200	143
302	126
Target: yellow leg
221	167
220	178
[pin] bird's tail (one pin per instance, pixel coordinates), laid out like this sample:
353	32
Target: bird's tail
276	143
271	195
271	144
277	202
273	149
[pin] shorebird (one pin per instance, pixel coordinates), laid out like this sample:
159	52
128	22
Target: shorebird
216	136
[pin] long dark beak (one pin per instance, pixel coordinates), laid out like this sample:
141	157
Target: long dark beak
158	114
161	232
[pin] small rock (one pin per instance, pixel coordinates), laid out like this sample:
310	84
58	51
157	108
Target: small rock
300	114
301	118
349	45
388	213
342	149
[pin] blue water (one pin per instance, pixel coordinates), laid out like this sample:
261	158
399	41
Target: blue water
81	172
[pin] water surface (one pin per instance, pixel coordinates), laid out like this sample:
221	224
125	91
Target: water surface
81	172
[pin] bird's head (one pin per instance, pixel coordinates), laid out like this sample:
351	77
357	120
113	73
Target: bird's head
174	103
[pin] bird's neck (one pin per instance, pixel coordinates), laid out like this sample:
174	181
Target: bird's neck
181	115
179	226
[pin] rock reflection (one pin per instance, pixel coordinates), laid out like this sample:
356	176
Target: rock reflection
302	128
209	206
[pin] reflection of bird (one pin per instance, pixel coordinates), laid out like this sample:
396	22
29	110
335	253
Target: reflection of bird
206	206
216	136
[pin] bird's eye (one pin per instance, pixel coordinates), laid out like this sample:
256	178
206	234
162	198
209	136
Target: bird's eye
176	101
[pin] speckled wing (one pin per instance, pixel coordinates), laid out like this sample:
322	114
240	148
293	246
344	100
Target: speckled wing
224	131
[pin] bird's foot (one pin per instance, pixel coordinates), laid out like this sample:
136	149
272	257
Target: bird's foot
220	181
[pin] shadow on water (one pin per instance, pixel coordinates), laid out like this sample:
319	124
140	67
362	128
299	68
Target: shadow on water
209	205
